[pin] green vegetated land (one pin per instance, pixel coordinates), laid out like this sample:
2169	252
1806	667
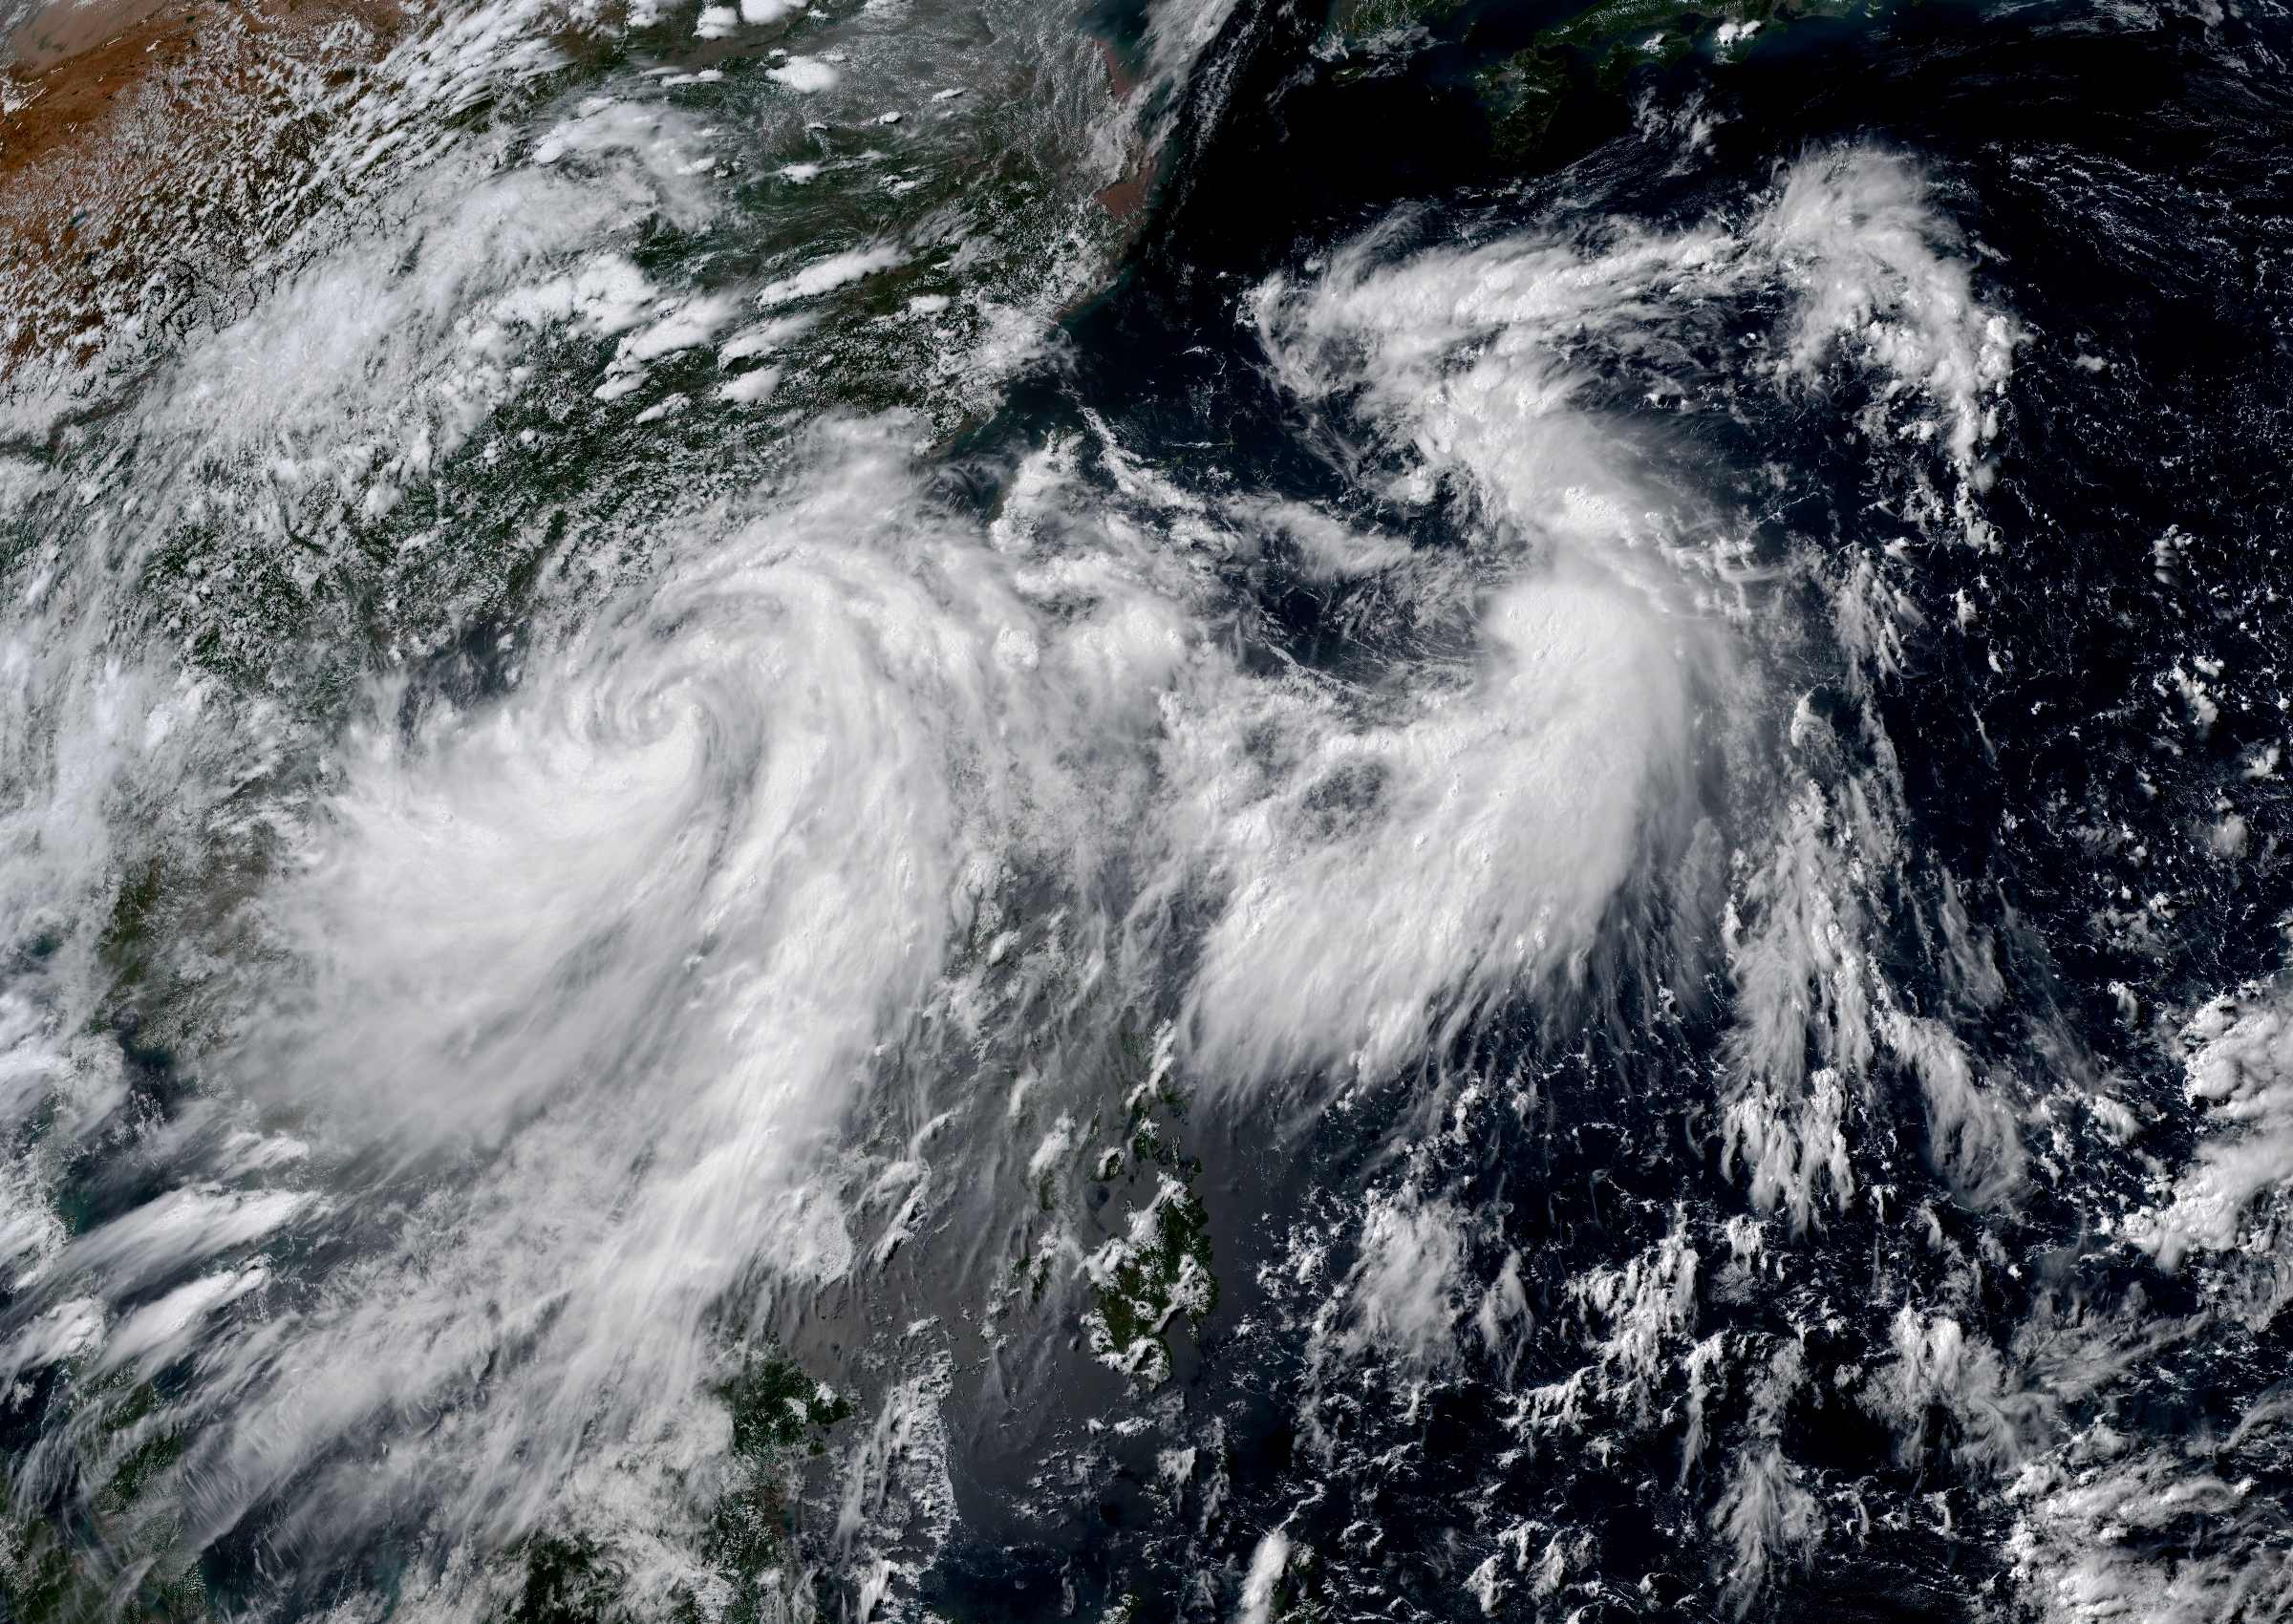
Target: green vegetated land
1596	50
1154	1268
780	1416
113	1557
1157	1269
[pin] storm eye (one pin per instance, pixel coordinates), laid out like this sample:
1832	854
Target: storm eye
1343	799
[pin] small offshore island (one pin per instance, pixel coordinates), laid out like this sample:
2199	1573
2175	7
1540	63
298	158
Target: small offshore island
1593	53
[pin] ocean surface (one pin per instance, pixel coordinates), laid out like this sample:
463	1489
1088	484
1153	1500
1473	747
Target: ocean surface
992	810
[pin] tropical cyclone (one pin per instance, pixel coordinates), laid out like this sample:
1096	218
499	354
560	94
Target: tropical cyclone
936	811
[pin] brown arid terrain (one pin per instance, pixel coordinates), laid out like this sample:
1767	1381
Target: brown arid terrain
147	170
159	165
